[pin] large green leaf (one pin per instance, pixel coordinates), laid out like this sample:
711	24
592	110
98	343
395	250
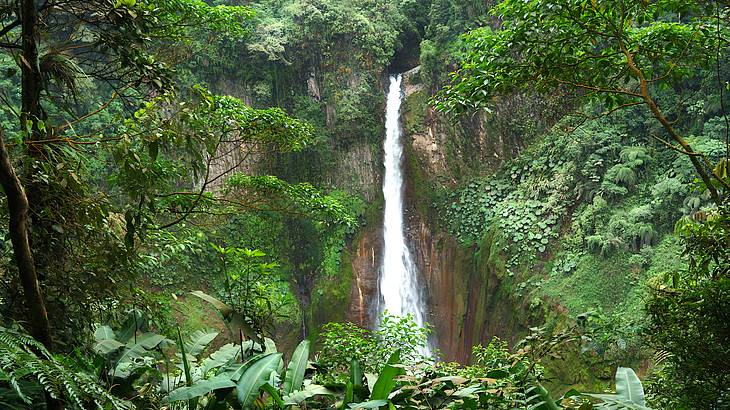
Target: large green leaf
135	348
220	306
270	346
310	390
628	386
150	340
254	377
358	390
104	332
470	391
235	321
355	373
193	402
108	346
221	357
134	323
275	396
238	325
127	362
629	392
371	379
201	388
248	362
370	404
198	341
386	379
297	366
349	395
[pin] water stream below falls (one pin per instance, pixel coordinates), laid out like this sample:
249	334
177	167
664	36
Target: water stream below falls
400	292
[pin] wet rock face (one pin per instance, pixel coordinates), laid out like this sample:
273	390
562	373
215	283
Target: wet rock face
468	301
448	151
357	170
366	259
412	82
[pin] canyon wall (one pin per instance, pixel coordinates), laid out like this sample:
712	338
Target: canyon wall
464	286
468	301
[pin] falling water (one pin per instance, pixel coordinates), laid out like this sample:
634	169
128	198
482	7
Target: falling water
399	288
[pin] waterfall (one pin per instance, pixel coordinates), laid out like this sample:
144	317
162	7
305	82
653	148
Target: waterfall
399	290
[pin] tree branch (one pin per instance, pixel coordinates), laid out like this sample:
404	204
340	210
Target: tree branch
671	131
6	29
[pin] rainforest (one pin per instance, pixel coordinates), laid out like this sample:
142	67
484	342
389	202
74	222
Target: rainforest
364	204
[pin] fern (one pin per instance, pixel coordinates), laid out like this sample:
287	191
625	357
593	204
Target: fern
692	204
624	175
611	245
539	399
635	156
23	360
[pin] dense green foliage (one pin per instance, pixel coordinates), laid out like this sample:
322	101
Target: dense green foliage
201	178
30	370
343	343
598	197
618	53
688	318
598	192
116	167
146	369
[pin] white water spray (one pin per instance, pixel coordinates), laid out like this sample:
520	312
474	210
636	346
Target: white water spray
399	288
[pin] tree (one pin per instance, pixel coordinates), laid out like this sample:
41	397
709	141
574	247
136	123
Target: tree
18	216
688	319
87	67
56	44
618	52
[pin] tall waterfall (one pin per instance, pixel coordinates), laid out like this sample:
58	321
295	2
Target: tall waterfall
399	288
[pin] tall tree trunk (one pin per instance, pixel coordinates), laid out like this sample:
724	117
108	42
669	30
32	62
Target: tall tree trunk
31	81
18	205
18	215
41	199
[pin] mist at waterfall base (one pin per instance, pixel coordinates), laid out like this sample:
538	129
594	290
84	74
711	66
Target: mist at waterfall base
399	288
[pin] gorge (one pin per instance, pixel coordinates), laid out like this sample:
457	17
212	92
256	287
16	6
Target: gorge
276	203
500	208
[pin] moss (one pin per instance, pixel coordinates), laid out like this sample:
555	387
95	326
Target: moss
666	259
597	282
330	298
414	110
373	213
420	189
491	307
613	284
571	372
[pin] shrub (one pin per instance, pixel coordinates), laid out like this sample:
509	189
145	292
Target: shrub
344	342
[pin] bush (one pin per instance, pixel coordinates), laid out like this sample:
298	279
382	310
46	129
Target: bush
688	319
344	342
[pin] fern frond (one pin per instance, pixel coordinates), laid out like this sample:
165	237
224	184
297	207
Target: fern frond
22	358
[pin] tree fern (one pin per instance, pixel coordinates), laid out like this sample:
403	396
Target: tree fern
623	174
23	360
635	156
